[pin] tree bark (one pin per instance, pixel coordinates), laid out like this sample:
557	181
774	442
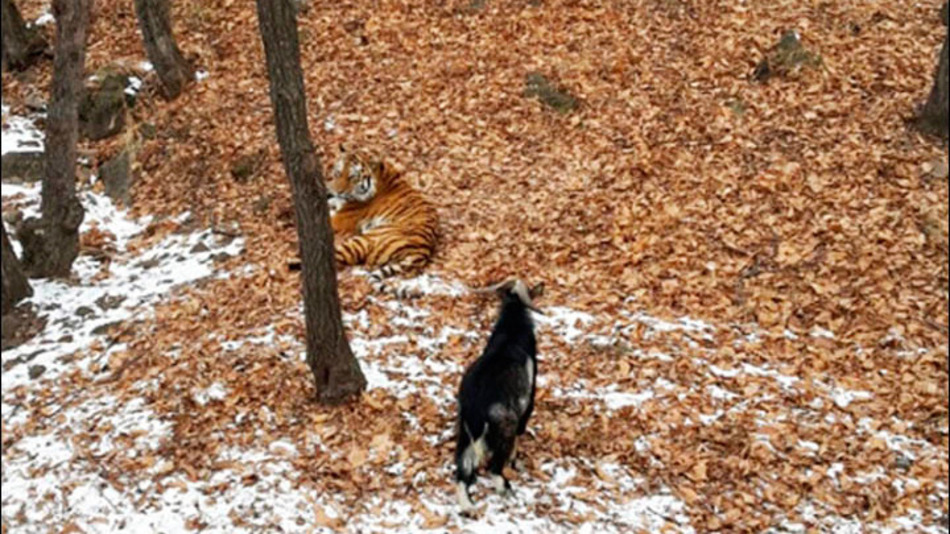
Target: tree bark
51	244
173	69
336	372
21	45
15	285
934	116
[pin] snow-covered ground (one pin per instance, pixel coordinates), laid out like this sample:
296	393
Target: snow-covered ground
49	483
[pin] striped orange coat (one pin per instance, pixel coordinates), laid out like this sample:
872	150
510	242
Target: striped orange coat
383	223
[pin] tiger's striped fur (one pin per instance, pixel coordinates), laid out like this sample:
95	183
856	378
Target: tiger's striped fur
383	223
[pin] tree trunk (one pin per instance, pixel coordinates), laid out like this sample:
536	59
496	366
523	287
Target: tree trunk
155	23
21	45
335	370
51	244
15	285
934	116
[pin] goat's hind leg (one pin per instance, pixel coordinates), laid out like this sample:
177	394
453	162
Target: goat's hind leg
466	462
502	445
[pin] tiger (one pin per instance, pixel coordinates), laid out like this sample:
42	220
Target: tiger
381	222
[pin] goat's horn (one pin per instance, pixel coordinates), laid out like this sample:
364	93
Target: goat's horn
492	288
521	290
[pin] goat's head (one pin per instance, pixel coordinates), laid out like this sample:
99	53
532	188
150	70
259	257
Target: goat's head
515	288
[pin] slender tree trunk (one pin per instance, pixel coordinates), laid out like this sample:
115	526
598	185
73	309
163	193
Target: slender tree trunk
51	244
934	116
173	69
336	371
21	45
15	285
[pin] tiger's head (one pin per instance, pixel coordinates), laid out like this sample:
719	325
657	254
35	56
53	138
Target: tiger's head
357	176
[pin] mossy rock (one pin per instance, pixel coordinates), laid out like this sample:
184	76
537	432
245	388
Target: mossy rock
786	58
23	167
549	93
102	110
116	175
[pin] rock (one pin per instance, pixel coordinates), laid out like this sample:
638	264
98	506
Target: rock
199	248
147	130
243	169
262	204
20	325
149	263
105	328
247	166
109	302
85	312
23	167
102	110
786	58
116	174
13	217
36	371
903	462
549	93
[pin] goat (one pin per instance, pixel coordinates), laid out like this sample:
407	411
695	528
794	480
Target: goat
496	397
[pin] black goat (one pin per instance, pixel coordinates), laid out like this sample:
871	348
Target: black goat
496	397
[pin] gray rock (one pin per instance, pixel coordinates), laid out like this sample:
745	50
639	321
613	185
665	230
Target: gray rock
109	302
105	328
102	110
550	93
116	175
36	371
85	312
199	248
23	167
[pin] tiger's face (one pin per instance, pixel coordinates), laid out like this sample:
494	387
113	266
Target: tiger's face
353	177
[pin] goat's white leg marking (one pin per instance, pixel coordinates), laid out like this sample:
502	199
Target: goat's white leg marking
498	482
465	502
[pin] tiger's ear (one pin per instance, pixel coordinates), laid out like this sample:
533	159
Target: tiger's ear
379	168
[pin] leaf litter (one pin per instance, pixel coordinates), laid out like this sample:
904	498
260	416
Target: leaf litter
749	309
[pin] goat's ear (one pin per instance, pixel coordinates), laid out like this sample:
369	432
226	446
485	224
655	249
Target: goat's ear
536	291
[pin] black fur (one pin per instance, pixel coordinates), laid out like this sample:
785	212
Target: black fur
494	390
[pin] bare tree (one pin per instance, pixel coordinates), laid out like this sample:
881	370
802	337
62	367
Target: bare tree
336	372
934	115
51	244
15	285
21	45
173	69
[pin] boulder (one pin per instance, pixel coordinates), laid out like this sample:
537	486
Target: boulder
102	109
550	93
116	175
787	57
23	167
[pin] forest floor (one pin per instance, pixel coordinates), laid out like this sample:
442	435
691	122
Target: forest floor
746	315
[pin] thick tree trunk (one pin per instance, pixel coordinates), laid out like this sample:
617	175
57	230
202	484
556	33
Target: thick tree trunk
51	244
934	116
335	370
21	45
15	285
155	23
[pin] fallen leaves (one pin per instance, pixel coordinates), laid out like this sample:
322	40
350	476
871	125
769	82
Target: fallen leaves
678	188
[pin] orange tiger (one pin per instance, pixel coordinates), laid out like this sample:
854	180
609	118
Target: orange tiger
383	222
